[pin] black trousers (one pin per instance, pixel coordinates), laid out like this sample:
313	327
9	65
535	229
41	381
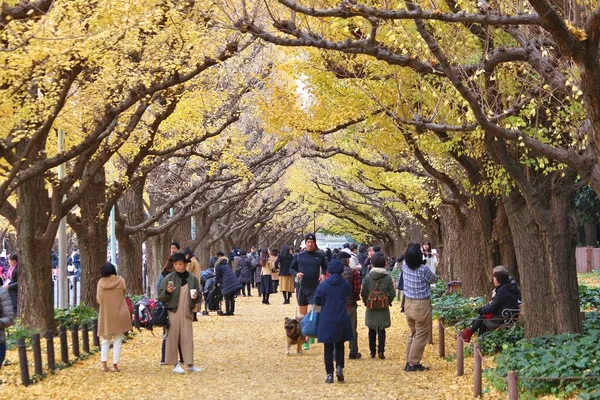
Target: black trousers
379	337
479	326
244	286
229	303
164	343
339	356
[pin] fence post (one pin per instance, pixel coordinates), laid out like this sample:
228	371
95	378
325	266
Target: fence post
50	350
95	338
442	337
64	347
588	259
460	355
75	340
23	362
85	337
136	316
74	291
513	385
37	354
477	372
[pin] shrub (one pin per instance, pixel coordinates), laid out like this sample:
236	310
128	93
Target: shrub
559	356
456	309
18	331
76	315
498	339
589	297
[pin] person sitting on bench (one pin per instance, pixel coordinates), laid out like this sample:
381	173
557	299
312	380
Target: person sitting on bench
506	297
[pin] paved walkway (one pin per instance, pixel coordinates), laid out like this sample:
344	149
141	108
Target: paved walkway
243	357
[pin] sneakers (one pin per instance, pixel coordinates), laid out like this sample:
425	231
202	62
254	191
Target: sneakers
178	369
193	368
339	374
306	346
329	378
415	368
311	340
466	335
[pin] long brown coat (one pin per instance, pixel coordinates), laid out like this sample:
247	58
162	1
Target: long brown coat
193	268
114	317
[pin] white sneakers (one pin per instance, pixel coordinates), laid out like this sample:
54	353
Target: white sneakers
179	369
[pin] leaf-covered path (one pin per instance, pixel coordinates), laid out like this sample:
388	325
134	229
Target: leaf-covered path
244	357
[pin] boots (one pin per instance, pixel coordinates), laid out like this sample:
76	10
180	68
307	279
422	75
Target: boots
466	335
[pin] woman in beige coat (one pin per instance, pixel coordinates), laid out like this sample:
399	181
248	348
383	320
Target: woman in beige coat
114	318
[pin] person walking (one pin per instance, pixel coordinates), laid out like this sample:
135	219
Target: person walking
417	305
352	276
246	273
230	284
11	283
334	324
273	255
286	281
266	271
114	318
378	320
7	317
180	292
193	267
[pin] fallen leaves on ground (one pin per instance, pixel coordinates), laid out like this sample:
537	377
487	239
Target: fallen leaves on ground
243	357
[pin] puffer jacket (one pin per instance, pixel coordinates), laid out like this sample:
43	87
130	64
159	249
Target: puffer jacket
226	278
7	315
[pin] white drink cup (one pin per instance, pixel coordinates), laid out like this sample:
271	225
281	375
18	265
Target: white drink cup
194	293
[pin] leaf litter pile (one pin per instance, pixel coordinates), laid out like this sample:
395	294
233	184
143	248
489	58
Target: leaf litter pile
243	357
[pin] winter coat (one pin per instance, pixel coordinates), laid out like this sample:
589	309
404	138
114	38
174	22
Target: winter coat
375	319
507	297
7	315
284	264
114	317
172	299
13	288
274	268
226	278
245	267
334	323
193	268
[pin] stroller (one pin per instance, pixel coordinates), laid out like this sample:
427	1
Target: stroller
211	293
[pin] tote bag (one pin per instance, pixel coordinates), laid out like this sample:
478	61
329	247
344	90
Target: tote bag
310	323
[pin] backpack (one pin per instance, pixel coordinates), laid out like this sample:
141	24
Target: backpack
377	300
160	316
145	307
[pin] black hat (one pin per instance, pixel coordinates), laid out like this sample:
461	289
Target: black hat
342	254
178	257
310	236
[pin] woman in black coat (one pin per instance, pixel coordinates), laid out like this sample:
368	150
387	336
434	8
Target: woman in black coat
246	272
286	281
11	282
229	283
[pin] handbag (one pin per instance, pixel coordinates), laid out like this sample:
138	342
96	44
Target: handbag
129	304
310	323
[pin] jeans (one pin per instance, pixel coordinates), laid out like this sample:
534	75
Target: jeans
2	353
117	341
339	356
374	337
229	303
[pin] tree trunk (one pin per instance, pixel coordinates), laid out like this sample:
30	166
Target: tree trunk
545	252
504	243
92	237
35	237
183	233
157	255
467	255
130	245
591	235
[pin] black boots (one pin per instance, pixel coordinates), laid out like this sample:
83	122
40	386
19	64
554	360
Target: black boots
339	374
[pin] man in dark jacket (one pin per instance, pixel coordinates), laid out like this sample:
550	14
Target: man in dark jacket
491	315
229	283
352	276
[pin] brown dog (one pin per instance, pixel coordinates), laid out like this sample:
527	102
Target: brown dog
293	334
